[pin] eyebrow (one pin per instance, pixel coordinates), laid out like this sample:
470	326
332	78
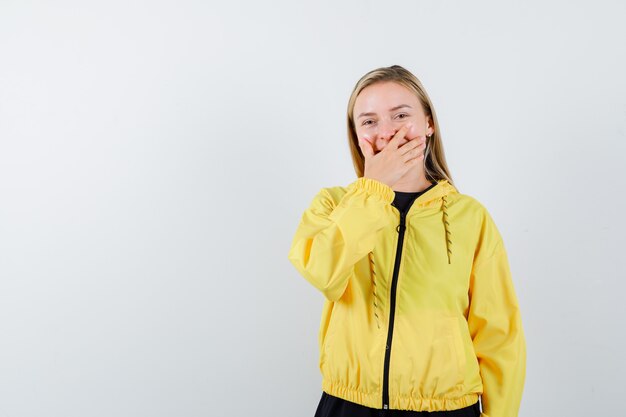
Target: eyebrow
392	109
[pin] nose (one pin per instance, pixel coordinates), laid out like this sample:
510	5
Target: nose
386	130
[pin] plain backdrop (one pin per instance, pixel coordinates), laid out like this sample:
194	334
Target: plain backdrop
156	158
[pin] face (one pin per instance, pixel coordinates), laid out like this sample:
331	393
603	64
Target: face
381	109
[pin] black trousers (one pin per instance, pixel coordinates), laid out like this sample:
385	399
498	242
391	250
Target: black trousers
331	406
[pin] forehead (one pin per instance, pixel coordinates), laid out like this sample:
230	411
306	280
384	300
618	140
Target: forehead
382	96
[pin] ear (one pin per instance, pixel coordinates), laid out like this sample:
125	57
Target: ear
429	126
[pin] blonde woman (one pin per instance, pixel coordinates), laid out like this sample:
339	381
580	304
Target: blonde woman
420	314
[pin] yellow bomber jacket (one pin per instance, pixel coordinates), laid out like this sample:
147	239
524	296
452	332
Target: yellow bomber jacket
420	311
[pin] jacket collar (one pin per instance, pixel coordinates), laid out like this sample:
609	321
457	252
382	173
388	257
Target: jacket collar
437	196
442	189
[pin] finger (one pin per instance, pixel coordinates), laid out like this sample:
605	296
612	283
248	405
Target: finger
415	153
399	135
411	144
419	159
366	148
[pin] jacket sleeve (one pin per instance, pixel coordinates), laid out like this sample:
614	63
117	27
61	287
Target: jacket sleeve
331	238
496	328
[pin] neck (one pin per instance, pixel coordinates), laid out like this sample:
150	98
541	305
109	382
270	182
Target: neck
413	181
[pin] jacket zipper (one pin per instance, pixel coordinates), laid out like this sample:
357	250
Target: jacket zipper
392	307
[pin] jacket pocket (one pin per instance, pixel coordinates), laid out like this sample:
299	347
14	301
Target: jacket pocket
449	348
329	336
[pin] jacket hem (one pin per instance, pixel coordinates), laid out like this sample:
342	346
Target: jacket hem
374	399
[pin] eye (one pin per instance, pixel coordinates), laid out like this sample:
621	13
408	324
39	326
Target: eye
402	116
367	122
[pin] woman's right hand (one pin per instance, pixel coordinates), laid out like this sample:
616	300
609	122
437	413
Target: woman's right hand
395	160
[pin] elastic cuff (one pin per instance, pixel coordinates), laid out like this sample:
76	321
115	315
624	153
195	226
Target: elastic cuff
375	187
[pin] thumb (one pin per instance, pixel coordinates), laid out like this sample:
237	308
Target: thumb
366	148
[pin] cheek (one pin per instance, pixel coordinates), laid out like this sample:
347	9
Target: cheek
368	136
415	131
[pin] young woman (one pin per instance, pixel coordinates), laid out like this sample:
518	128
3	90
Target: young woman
420	313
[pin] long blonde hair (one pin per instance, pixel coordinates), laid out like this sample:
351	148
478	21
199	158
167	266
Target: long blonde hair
435	166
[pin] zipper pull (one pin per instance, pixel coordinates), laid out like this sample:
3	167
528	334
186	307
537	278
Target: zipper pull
401	226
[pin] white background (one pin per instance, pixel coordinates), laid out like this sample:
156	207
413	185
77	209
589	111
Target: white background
156	157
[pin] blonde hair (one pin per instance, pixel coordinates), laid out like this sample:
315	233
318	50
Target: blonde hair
435	166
